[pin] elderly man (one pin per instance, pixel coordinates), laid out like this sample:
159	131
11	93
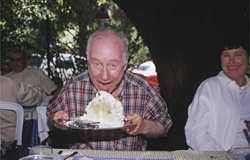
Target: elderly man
28	75
221	104
107	55
17	93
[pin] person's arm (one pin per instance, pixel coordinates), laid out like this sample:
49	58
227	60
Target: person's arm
199	116
154	122
137	125
47	84
57	110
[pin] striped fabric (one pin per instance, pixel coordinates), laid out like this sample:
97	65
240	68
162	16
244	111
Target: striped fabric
137	97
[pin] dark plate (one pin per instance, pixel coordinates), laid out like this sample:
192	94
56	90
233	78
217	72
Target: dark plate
88	125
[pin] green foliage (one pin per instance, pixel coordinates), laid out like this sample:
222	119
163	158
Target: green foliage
51	27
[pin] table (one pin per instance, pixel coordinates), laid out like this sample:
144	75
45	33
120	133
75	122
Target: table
141	155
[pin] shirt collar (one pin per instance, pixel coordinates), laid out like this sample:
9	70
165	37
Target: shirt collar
229	81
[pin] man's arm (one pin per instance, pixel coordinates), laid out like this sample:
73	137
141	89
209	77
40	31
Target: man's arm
155	120
47	85
138	125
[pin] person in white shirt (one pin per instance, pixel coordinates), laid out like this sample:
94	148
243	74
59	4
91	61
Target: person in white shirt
10	91
35	78
28	75
221	105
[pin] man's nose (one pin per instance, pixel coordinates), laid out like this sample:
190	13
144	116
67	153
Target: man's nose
105	73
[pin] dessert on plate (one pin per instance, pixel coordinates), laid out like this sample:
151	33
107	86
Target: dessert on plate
104	111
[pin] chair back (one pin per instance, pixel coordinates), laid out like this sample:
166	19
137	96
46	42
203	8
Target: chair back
5	105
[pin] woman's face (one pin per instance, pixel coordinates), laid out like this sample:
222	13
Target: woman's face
234	63
18	62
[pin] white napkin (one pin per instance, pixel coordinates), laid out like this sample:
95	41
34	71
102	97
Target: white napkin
42	119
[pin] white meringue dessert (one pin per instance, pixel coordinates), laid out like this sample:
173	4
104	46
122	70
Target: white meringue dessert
106	110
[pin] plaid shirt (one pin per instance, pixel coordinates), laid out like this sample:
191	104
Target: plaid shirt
137	97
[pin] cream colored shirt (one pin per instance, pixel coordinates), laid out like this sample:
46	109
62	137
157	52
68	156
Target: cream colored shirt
34	77
11	91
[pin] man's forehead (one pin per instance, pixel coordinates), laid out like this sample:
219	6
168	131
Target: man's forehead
107	36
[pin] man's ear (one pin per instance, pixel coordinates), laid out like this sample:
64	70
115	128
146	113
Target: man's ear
125	67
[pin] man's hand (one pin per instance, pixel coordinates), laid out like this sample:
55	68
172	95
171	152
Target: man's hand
59	119
134	124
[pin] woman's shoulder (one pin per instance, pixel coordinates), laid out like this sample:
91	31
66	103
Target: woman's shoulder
212	82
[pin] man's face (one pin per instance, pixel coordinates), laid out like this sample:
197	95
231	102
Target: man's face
18	62
234	63
106	63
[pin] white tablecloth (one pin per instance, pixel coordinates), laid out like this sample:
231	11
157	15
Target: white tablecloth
140	155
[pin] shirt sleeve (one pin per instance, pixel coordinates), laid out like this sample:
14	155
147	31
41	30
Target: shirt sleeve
47	84
59	103
197	127
157	112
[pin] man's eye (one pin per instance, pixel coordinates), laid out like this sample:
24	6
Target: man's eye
112	66
97	64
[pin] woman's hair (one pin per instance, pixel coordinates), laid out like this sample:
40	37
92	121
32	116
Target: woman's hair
233	44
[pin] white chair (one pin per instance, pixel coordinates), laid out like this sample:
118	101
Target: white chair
4	105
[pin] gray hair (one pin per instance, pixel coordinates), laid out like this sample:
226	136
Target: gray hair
100	33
